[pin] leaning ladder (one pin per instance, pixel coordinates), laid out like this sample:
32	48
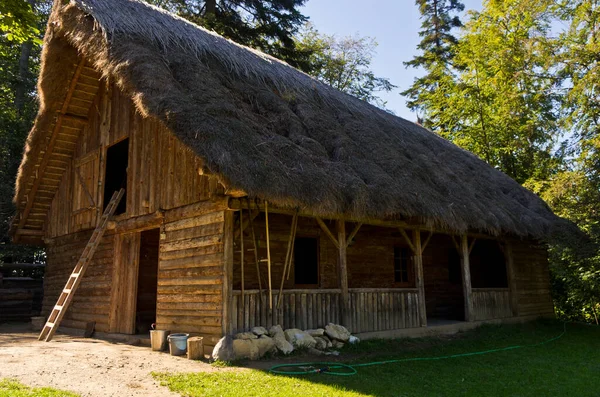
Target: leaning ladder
66	296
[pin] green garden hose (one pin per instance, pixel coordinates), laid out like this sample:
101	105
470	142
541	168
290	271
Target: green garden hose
340	369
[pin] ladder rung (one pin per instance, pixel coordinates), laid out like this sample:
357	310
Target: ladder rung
58	307
67	290
49	325
75	274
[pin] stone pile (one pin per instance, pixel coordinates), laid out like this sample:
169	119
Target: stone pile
260	341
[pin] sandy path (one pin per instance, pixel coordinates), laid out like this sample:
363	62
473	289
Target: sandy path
90	367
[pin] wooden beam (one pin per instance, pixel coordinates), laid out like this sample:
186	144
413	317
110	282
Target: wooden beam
138	223
328	232
30	232
353	234
408	241
511	278
227	273
418	251
244	225
343	271
268	255
456	245
288	257
472	245
242	254
256	259
466	277
85	189
426	242
50	148
75	119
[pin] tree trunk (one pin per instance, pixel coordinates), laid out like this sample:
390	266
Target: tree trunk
211	7
21	85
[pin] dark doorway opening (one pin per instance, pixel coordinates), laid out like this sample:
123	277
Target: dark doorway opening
115	175
306	261
488	265
145	313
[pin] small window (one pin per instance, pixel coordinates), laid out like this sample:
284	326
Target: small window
306	261
402	271
115	176
454	275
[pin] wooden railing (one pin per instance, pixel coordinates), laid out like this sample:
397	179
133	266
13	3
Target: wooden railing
371	309
491	303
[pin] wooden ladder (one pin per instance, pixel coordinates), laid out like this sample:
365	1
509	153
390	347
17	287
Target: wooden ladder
66	296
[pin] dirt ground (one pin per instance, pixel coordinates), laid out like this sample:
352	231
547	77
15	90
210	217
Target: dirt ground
91	367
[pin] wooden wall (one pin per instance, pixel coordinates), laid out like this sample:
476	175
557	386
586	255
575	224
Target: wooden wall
162	172
92	300
532	278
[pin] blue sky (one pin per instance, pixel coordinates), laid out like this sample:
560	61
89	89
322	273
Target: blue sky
393	23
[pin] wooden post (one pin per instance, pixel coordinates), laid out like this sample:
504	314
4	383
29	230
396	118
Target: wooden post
343	271
466	276
510	275
227	272
268	255
418	252
242	253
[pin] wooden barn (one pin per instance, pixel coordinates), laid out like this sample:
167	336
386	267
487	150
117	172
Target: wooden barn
255	195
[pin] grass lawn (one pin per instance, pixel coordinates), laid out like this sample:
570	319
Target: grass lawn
12	388
569	366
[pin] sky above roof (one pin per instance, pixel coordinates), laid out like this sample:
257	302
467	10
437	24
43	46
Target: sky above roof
394	24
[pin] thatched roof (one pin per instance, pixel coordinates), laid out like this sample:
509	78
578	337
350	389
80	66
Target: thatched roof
278	134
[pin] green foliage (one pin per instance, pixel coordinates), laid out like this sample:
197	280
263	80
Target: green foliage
436	52
18	22
269	25
12	388
344	63
567	366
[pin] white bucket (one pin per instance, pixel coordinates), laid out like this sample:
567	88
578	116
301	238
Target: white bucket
158	339
178	344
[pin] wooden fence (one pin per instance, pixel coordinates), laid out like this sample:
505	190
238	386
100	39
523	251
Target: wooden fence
371	309
490	303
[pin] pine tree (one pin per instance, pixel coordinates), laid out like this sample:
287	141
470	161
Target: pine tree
268	25
437	48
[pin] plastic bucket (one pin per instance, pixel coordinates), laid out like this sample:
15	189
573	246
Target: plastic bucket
158	339
178	344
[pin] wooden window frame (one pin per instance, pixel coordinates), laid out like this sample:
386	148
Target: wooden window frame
410	267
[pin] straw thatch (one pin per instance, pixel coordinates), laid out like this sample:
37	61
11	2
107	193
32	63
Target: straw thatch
275	132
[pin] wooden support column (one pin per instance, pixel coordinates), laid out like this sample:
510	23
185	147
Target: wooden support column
510	275
227	272
418	251
343	271
465	268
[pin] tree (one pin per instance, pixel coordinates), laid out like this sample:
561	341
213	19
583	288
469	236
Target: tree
437	49
268	25
344	63
18	21
504	103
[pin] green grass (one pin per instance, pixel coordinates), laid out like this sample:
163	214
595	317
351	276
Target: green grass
12	388
569	366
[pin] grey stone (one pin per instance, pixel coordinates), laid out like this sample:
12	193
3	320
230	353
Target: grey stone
314	351
321	343
265	345
279	338
315	332
245	335
299	338
337	344
353	339
246	348
259	331
337	332
223	350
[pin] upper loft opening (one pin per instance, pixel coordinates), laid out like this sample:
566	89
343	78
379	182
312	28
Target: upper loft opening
115	174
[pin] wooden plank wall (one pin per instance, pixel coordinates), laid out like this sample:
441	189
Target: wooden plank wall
491	303
162	173
92	300
532	278
371	309
190	271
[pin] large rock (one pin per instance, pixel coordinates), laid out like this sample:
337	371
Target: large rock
259	331
337	332
223	350
265	345
281	343
337	344
321	343
315	332
246	348
299	338
245	335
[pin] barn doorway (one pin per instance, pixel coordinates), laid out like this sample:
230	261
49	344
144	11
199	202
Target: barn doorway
444	298
147	283
115	174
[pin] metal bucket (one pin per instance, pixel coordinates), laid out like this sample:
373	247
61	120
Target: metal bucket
158	339
178	344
